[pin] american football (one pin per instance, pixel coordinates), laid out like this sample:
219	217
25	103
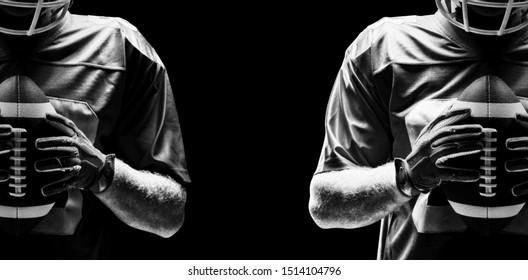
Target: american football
488	205
23	105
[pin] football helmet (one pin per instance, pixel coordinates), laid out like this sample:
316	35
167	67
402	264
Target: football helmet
513	11
28	17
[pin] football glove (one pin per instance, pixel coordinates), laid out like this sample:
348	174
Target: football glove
82	165
6	134
519	145
441	140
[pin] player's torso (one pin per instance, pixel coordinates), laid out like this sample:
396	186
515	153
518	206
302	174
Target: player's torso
423	80
83	75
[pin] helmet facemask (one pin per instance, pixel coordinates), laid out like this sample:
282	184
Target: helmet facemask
33	17
489	18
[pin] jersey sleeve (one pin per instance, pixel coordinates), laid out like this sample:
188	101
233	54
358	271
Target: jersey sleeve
148	134
357	126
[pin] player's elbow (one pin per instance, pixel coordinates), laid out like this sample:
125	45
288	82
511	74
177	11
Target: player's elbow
173	221
319	207
165	226
169	221
172	226
323	217
330	208
318	216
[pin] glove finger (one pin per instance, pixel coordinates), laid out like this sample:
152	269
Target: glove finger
520	189
63	164
59	152
61	123
58	185
517	144
5	131
4	127
46	143
456	133
440	120
458	175
516	165
449	151
450	117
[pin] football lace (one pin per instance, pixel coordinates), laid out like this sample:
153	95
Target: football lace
488	168
17	178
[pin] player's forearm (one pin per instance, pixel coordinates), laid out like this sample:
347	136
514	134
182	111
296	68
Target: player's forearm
145	200
354	198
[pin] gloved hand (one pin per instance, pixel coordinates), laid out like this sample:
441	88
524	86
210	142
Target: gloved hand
441	140
6	145
520	164
83	165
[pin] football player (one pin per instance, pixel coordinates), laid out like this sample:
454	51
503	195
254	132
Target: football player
119	149
389	136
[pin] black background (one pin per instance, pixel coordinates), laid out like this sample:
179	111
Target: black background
251	84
